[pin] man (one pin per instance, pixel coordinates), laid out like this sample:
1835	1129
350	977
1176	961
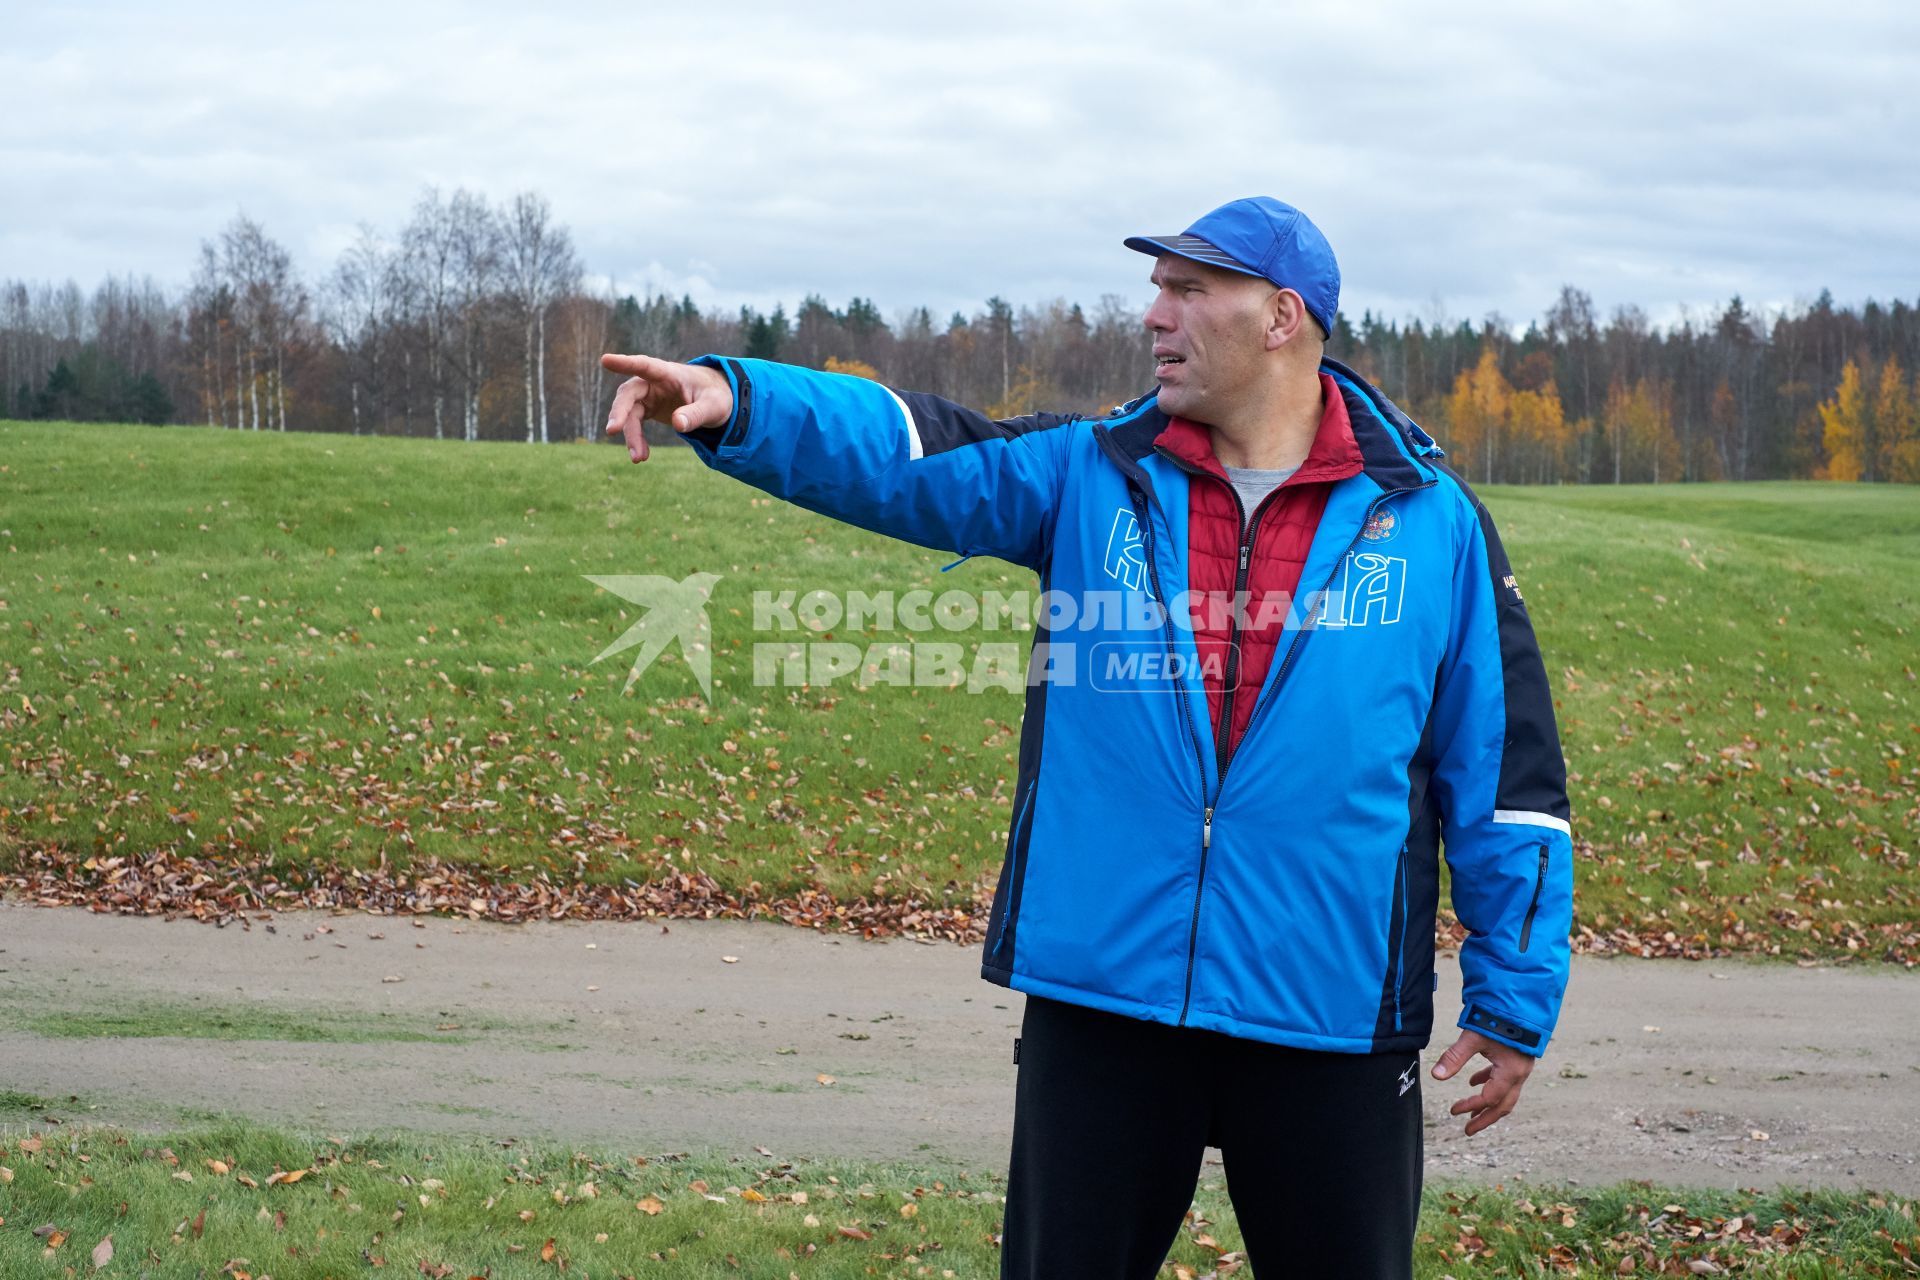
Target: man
1220	900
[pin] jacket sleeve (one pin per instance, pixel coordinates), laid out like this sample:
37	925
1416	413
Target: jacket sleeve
1501	782
908	465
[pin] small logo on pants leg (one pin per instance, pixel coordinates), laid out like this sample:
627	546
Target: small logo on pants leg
1409	1077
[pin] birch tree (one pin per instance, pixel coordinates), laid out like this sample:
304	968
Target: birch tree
360	307
210	322
270	304
540	268
588	324
431	272
476	241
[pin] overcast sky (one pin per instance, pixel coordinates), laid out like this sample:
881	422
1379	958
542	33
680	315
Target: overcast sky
1463	158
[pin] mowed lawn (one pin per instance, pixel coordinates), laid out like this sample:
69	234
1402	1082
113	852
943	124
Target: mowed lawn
255	1201
324	653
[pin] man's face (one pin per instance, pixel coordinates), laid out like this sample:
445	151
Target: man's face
1209	335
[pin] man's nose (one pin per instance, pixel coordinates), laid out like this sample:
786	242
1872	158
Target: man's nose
1157	318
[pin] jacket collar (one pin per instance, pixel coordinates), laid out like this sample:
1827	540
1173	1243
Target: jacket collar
1334	455
1395	453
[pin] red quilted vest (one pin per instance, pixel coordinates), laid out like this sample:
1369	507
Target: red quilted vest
1283	529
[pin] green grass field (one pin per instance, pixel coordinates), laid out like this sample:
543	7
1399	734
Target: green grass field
316	654
208	1201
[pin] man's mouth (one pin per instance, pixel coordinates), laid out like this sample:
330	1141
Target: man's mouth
1161	362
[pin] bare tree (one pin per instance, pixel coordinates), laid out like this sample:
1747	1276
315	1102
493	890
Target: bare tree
285	307
431	268
588	323
17	311
475	235
209	321
540	268
359	315
270	304
242	268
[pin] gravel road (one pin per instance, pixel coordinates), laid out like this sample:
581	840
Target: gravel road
646	1038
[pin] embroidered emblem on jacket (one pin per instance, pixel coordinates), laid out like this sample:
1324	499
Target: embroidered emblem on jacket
1381	526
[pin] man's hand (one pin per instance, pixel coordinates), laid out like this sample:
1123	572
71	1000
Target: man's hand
684	396
1500	1081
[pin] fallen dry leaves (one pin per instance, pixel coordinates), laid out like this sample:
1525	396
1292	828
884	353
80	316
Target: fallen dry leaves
227	891
220	891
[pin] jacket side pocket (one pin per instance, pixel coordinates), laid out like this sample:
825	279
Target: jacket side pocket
1540	880
1397	937
1017	840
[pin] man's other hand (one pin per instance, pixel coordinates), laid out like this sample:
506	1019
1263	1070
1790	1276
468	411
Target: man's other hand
1500	1080
684	396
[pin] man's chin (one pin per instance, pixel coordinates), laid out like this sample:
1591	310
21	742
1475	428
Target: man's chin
1176	402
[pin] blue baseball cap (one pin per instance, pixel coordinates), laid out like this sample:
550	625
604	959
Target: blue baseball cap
1264	237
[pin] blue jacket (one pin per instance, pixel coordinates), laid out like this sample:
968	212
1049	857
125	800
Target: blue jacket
1292	898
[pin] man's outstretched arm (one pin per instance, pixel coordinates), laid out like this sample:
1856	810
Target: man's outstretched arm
908	465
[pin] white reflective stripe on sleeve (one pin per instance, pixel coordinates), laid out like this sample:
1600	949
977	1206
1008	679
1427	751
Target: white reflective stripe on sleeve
914	448
1528	818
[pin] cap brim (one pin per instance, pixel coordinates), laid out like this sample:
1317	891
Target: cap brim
1192	248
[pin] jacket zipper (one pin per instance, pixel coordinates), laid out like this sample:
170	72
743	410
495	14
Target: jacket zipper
1220	782
1013	858
1224	747
1526	926
1223	742
1186	712
1226	757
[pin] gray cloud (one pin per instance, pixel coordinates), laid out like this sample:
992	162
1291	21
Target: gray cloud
1667	156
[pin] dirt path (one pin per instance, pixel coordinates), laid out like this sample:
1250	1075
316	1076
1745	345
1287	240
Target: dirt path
668	1046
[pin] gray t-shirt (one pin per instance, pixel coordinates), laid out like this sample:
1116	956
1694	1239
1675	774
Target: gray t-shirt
1253	484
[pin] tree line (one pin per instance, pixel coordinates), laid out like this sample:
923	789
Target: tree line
1820	392
474	321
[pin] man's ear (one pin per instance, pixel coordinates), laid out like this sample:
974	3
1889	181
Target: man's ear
1286	313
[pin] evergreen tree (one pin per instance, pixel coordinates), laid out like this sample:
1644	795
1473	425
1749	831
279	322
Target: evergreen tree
150	402
763	343
60	399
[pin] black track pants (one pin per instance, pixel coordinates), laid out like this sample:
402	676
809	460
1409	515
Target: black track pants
1112	1116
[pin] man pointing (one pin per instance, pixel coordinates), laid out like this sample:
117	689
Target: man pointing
1220	882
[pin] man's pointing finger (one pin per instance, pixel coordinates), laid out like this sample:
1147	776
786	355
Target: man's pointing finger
634	366
624	417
